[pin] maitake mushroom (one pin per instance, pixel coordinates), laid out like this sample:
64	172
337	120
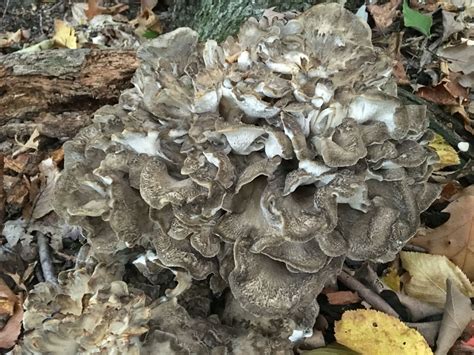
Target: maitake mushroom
260	163
94	311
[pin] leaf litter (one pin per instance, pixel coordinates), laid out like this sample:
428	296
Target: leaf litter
450	89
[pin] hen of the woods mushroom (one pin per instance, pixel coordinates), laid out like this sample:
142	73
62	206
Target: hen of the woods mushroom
259	164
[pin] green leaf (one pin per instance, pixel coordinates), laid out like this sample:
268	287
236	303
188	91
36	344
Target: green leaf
150	34
416	20
331	349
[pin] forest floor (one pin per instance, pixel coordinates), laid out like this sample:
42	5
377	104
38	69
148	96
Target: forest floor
432	48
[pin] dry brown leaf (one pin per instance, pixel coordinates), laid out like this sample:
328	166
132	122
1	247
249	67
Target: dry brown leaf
7	300
148	4
400	73
437	94
426	5
2	192
460	57
94	9
385	14
456	316
9	38
455	238
18	164
454	88
447	92
270	14
343	297
49	174
58	155
12	329
16	191
450	189
468	121
398	69
146	21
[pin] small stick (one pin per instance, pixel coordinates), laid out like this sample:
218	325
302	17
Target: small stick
45	259
367	294
415	248
5	9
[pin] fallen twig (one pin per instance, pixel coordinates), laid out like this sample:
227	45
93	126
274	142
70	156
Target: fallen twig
5	9
367	294
415	248
45	259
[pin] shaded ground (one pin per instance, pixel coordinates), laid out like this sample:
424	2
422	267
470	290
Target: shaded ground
424	76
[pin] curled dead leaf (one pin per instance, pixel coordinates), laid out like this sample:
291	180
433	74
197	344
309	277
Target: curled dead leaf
468	121
64	35
456	316
148	4
7	301
455	238
58	155
445	93
12	329
16	190
398	68
11	315
31	143
385	14
146	21
94	9
7	39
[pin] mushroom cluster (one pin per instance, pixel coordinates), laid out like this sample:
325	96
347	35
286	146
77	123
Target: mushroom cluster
93	311
259	164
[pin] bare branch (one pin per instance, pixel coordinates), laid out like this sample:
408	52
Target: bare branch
367	294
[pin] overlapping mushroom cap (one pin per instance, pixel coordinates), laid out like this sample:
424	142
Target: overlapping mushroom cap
93	311
262	162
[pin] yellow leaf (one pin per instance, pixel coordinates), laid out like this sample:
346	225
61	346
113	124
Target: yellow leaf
455	237
392	279
64	35
428	277
447	155
372	332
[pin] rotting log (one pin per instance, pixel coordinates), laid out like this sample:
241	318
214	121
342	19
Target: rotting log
56	89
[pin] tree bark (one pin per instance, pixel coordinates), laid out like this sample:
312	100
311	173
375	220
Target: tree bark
217	19
40	87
